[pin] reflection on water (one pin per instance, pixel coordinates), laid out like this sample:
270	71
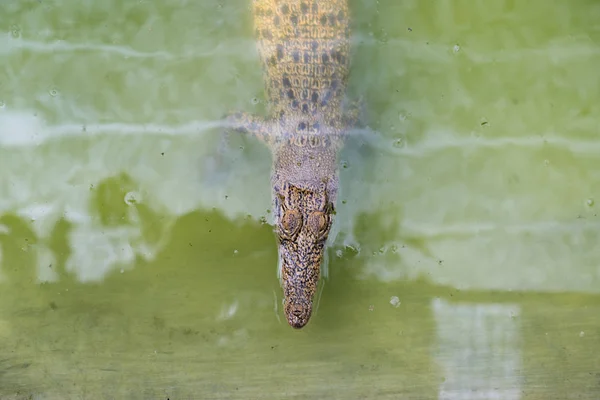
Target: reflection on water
479	348
136	255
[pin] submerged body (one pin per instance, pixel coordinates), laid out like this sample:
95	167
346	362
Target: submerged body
304	47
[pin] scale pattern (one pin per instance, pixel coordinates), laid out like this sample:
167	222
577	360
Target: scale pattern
304	46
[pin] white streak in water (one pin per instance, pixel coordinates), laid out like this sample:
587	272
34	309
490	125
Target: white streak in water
444	53
23	129
541	227
275	308
10	45
436	141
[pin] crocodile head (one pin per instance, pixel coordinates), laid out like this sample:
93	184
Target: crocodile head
304	220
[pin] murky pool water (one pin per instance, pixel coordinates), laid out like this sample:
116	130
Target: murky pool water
137	260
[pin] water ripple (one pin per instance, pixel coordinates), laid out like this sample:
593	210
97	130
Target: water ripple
471	229
22	129
12	45
444	53
9	45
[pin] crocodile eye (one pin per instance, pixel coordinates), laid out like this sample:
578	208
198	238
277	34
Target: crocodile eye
319	223
290	224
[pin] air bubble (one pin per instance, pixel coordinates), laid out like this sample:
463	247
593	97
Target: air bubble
589	202
255	100
53	92
15	31
383	36
456	48
395	301
132	198
398	143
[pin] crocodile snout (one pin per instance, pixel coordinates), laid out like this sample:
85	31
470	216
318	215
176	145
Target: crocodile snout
297	314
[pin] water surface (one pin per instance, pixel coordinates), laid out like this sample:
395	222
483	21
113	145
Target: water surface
137	260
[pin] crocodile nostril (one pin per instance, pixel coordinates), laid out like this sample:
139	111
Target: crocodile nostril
297	311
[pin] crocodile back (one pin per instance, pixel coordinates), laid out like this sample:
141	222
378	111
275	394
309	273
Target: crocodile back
304	47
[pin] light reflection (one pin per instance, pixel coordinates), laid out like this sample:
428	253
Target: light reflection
479	350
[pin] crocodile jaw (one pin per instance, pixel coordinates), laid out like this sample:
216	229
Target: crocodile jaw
304	216
300	271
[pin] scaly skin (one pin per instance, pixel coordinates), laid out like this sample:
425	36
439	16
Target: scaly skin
304	47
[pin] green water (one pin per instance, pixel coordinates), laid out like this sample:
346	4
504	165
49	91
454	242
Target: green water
136	264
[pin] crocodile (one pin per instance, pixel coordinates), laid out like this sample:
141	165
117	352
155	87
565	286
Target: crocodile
304	47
